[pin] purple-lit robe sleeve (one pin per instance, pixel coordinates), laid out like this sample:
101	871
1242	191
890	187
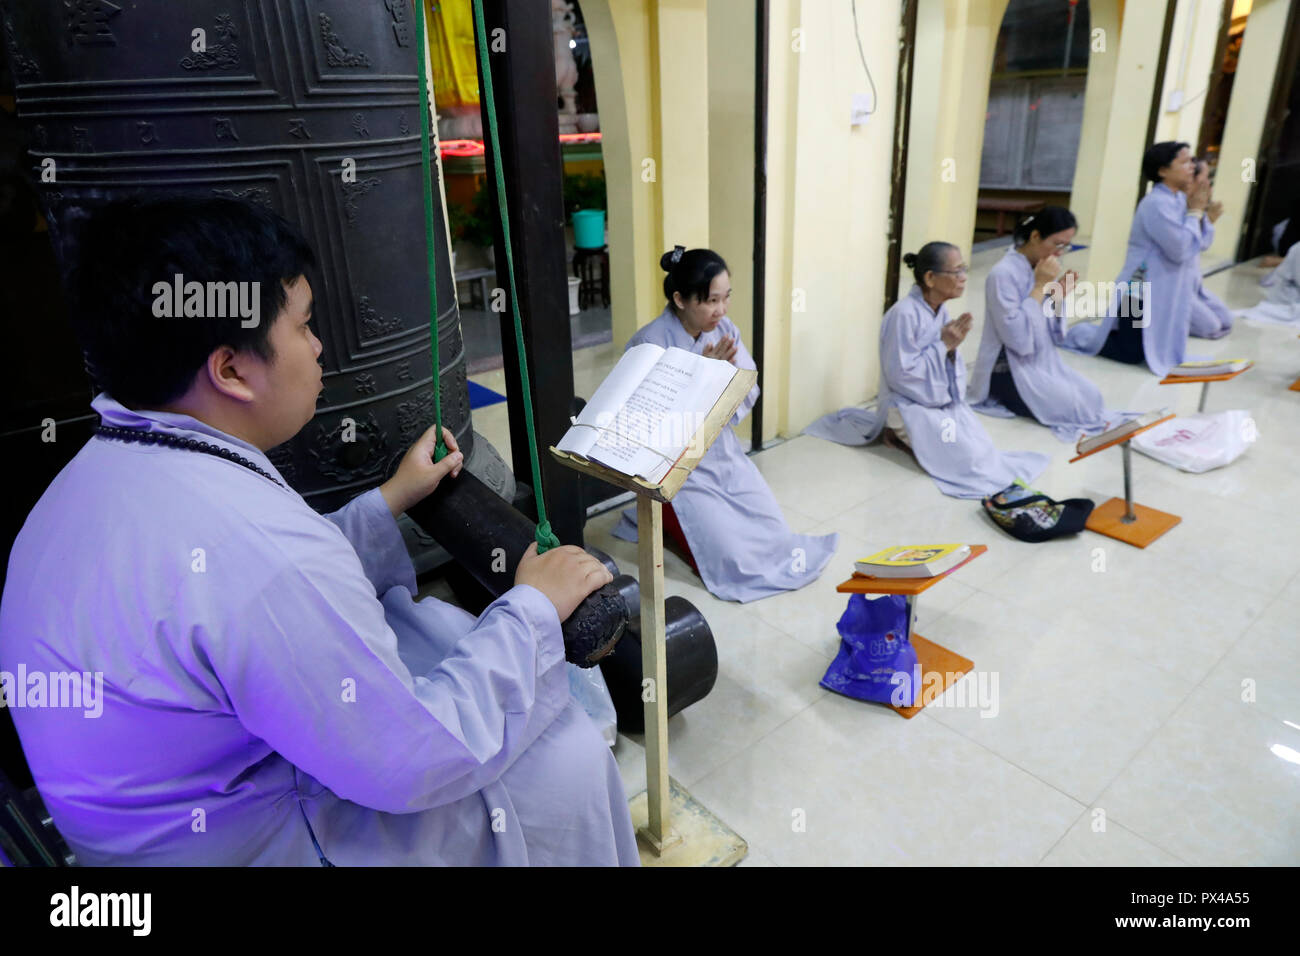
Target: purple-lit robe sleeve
915	362
1177	234
317	675
372	531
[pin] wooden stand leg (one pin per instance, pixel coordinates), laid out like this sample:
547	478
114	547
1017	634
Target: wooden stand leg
650	558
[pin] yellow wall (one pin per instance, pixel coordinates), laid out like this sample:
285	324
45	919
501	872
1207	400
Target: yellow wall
836	226
1098	100
1256	67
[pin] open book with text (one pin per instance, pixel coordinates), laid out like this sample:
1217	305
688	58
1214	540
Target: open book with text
649	411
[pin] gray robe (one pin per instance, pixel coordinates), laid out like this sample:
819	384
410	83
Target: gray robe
1030	333
740	541
928	389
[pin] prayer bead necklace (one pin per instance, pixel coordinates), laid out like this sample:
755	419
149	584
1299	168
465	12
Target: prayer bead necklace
175	441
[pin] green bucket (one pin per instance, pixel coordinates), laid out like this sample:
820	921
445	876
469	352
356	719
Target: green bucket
589	228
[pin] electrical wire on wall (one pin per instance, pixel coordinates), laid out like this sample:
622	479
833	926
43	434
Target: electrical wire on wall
858	36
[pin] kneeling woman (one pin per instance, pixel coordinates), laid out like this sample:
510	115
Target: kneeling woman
1018	370
1164	250
724	516
922	390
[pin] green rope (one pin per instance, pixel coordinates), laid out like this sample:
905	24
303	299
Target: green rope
440	449
546	538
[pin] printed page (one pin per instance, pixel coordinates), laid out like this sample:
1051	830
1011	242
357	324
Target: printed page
611	396
663	414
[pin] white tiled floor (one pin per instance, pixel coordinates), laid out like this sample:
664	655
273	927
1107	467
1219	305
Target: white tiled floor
1148	701
1148	707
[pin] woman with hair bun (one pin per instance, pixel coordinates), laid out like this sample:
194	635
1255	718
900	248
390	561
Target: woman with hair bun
1018	370
1164	251
724	517
922	400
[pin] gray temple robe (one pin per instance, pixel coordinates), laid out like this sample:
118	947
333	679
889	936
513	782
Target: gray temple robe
928	390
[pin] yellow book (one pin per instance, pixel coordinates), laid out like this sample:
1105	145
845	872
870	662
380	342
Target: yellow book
913	560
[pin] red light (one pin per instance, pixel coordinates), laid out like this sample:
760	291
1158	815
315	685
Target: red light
474	147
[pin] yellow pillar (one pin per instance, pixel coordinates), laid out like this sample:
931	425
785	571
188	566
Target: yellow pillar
953	60
785	49
1261	52
1124	138
622	65
1098	101
682	120
650	60
731	150
1191	60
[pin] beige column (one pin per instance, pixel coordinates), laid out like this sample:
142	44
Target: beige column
953	62
785	50
1098	101
650	60
1187	72
682	108
1124	140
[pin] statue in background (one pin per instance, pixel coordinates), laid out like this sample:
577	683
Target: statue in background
566	68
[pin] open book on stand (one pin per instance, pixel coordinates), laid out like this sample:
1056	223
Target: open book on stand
652	410
1086	445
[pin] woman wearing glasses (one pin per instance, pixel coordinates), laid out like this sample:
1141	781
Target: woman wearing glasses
922	401
1018	370
1164	251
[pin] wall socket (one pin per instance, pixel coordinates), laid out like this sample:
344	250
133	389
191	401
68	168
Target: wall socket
860	109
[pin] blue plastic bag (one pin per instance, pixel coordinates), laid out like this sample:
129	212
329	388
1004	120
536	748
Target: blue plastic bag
876	660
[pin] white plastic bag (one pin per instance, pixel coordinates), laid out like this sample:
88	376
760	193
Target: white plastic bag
1198	443
587	687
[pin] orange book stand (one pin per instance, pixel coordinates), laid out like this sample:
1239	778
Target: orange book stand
940	667
1120	518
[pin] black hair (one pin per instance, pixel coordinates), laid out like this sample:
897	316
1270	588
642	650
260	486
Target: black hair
1158	156
127	246
1046	222
929	259
692	273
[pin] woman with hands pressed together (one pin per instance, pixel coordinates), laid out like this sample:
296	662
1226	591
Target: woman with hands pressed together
724	517
1018	370
1149	318
922	390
